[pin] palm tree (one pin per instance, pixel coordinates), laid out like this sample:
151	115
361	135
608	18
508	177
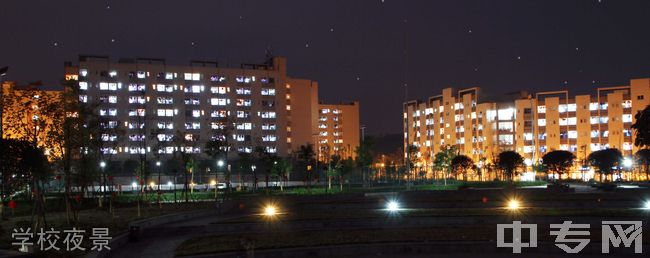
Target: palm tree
558	161
461	164
509	161
605	160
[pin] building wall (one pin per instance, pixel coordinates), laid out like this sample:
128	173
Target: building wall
530	125
338	126
196	100
304	108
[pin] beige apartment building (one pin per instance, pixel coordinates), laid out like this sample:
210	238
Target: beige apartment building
338	130
145	97
531	124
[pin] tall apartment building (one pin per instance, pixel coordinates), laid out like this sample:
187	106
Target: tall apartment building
154	101
530	124
338	129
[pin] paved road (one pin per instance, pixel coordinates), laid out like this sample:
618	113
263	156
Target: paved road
163	245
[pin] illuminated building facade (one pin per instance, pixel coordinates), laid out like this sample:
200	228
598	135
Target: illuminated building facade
530	124
338	129
156	103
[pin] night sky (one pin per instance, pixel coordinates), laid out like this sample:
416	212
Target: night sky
356	50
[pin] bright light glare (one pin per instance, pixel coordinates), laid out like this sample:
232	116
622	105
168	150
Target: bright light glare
513	204
213	182
392	206
627	162
152	184
134	184
647	205
169	183
270	210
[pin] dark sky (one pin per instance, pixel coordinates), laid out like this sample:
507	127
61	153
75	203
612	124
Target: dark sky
364	50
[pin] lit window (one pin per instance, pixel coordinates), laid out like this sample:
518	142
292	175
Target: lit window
571	107
627	118
541	122
562	108
243	102
267	114
219	113
269	138
83	98
506	139
219	90
603	106
593	120
141	74
505	126
83	72
192	76
216	78
112	73
243	91
193	126
604	119
244	126
627	104
195	89
219	101
243	114
541	109
325	111
196	113
573	134
593	106
136	87
137	112
83	85
165	125
594	134
164	88
245	79
268	126
165	100
165	112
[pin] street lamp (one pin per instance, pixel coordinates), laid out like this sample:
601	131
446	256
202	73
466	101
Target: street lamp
220	163
214	183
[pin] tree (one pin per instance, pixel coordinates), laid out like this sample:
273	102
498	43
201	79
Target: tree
306	154
281	169
558	161
333	169
643	158
461	164
412	158
365	155
346	167
509	161
641	128
442	160
605	161
219	146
